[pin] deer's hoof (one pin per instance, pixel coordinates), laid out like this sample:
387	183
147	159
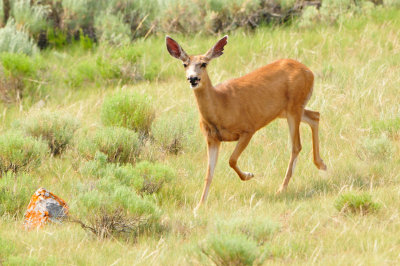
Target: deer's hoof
247	176
321	165
280	191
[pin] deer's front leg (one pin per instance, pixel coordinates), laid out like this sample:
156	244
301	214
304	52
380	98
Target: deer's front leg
242	143
212	150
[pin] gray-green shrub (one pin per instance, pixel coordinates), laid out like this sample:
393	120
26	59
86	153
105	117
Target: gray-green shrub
112	29
230	249
144	177
13	40
377	148
128	109
55	128
119	144
19	152
31	15
113	209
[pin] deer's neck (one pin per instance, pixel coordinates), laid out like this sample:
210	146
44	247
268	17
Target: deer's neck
206	97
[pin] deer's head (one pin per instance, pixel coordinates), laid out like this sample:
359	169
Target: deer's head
196	65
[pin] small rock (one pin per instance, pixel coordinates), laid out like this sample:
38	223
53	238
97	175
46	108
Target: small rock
43	207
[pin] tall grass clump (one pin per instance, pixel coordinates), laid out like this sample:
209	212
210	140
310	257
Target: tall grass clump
14	40
131	110
55	128
361	203
19	152
15	192
119	144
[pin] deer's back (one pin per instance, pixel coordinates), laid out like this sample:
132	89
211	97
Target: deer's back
255	99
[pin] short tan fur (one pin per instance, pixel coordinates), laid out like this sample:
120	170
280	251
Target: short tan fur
235	109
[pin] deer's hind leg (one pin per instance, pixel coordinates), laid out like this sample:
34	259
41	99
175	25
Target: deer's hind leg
293	119
242	143
312	119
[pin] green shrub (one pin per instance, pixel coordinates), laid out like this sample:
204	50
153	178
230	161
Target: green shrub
55	128
15	193
100	168
13	40
356	203
173	134
19	152
119	144
56	38
17	64
128	109
230	249
18	70
154	175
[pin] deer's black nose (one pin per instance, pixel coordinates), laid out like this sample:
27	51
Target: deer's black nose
193	80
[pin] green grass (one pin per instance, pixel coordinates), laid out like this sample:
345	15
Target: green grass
355	62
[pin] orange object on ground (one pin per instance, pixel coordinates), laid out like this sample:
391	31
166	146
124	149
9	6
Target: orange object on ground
43	207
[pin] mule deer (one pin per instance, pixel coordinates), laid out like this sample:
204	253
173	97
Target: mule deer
235	109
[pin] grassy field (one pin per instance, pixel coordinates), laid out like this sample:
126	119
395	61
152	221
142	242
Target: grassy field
357	76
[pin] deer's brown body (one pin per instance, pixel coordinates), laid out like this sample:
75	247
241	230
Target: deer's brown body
248	103
234	110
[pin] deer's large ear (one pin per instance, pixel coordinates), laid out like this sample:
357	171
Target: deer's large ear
175	49
217	49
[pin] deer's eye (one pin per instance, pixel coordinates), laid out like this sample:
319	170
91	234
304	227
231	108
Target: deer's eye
185	65
203	65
